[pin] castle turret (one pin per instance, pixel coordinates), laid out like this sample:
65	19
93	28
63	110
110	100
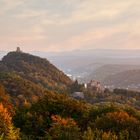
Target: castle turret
18	50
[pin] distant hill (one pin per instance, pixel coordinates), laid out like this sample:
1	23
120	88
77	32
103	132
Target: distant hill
27	76
80	63
127	79
105	71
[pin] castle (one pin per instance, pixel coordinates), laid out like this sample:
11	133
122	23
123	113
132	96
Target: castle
94	86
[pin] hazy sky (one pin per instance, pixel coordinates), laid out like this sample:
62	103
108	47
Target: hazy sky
63	25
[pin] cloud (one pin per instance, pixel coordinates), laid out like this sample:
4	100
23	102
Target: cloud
70	24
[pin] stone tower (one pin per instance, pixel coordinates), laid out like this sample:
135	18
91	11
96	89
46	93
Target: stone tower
18	50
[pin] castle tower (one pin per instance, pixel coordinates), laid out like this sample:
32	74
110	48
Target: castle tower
18	50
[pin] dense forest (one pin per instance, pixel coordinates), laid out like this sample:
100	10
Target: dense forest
36	104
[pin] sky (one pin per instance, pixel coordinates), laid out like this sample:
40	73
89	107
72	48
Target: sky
66	25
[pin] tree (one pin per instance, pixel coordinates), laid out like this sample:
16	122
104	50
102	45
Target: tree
88	135
7	130
119	121
63	129
75	86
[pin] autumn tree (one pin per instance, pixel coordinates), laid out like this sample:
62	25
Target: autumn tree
7	130
119	121
63	129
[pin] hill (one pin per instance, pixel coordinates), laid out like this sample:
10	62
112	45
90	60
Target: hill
28	76
110	69
25	78
80	63
127	79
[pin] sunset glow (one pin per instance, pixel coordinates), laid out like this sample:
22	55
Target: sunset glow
65	25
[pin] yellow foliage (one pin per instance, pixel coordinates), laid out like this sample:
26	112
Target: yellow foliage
109	136
121	116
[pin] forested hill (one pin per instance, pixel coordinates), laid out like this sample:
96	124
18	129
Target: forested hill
28	75
39	112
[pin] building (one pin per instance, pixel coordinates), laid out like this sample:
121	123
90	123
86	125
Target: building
78	95
94	86
18	50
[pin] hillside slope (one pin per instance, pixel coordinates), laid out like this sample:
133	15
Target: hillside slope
127	79
111	69
28	76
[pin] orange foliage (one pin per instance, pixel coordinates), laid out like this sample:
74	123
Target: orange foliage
5	119
63	121
4	114
121	116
